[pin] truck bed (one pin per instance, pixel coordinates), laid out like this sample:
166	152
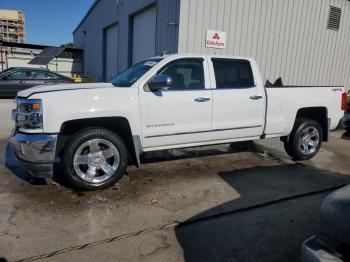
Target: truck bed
282	106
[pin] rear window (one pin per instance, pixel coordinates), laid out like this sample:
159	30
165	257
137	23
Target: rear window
233	73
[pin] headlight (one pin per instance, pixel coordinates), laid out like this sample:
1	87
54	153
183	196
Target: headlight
29	114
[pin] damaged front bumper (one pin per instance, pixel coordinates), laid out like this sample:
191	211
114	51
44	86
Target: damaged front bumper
35	152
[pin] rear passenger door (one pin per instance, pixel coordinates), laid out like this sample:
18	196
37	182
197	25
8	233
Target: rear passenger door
239	104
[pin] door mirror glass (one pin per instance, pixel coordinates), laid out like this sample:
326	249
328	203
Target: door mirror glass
160	82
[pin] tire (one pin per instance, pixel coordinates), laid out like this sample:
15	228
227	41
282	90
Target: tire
305	139
94	159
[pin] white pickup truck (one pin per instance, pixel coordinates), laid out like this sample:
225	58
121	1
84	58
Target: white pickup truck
165	102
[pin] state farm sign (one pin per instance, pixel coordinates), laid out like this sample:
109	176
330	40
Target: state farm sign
215	39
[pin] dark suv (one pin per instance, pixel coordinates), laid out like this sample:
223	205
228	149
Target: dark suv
15	79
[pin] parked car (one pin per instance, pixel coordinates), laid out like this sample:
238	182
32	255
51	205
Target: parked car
165	102
332	243
16	79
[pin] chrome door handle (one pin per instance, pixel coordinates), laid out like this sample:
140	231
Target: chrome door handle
202	99
255	97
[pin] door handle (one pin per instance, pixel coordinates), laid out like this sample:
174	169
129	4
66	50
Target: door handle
255	97
22	82
202	99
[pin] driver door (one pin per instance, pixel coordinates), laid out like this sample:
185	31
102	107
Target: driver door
181	115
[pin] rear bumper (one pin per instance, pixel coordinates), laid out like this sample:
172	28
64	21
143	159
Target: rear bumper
35	152
313	251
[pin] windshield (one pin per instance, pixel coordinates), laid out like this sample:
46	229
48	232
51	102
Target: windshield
131	75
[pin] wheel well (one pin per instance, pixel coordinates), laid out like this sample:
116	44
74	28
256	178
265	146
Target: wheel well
119	125
319	114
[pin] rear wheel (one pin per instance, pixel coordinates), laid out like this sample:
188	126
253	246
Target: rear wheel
305	140
95	159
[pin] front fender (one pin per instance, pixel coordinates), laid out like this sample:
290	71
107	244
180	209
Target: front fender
62	106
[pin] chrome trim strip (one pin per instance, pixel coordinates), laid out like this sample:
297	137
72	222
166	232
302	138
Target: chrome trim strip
207	131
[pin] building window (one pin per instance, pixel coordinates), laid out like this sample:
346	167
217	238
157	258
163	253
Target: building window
334	18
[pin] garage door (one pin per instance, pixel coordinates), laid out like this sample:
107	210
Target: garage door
144	35
111	52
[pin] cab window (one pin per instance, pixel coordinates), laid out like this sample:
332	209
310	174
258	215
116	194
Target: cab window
233	73
187	74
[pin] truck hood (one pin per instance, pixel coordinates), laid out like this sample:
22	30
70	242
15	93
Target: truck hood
61	87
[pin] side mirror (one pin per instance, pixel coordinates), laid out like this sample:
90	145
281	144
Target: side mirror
4	78
160	82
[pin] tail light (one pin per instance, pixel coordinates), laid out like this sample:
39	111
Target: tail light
343	101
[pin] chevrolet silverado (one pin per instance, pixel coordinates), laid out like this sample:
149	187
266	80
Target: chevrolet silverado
165	102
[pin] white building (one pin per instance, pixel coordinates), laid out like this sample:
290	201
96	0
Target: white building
306	42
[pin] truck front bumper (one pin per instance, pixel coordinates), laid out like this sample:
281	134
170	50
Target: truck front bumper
35	152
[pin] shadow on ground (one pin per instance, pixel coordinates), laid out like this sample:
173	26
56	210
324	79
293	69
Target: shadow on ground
278	210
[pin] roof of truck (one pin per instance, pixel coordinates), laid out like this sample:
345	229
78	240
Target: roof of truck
201	55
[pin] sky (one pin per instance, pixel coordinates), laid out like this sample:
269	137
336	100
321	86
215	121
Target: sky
50	22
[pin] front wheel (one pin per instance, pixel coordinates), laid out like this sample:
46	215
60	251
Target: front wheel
305	140
94	159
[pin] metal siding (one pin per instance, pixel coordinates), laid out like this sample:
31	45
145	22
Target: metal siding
144	35
106	13
167	39
288	38
344	65
111	51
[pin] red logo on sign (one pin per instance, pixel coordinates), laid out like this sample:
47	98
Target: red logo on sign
216	36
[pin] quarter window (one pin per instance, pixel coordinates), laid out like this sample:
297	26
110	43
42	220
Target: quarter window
233	73
187	74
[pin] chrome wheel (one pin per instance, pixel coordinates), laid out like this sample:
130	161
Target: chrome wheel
309	140
96	160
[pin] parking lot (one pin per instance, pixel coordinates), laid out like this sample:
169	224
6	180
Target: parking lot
239	202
